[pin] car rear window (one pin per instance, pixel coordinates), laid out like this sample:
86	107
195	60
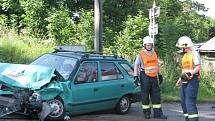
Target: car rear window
109	71
128	69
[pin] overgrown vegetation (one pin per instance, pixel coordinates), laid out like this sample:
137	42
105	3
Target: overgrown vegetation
29	28
22	49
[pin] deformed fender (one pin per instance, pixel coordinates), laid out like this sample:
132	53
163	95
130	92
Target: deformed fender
51	91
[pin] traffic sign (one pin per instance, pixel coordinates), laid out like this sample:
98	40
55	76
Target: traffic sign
154	12
157	11
153	30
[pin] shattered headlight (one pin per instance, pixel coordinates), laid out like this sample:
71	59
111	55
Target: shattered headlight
35	97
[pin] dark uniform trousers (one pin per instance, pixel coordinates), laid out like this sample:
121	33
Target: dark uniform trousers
150	88
188	99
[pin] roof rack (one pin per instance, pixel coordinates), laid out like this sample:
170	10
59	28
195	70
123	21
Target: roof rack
103	56
86	54
90	52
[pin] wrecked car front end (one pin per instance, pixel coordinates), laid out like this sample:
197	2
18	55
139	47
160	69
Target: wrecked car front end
23	89
12	100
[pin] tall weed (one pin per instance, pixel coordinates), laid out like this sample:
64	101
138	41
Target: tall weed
22	49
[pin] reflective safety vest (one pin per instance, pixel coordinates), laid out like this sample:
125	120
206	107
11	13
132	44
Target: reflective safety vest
150	63
187	62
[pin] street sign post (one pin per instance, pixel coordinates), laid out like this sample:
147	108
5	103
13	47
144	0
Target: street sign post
154	12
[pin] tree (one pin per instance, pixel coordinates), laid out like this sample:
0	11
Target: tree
13	12
129	40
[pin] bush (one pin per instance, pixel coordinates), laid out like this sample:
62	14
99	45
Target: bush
170	71
207	86
64	31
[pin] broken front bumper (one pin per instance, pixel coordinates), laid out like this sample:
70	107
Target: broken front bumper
8	106
24	102
13	100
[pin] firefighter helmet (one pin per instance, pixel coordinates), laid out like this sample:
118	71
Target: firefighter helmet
184	42
147	40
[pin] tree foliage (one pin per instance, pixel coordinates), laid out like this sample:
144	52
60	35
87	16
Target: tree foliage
125	22
67	22
129	40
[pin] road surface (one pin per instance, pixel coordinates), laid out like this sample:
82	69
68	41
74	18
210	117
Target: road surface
171	110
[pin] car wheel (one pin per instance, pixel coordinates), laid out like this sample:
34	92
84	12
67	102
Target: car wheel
124	105
58	114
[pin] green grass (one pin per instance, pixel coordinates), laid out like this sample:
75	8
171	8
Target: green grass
21	49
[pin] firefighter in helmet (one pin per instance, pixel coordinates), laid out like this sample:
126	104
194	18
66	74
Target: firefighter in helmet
189	78
146	65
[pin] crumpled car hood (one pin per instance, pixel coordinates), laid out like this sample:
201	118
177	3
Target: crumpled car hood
25	76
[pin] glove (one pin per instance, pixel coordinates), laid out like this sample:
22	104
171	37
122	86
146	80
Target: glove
160	78
185	77
136	80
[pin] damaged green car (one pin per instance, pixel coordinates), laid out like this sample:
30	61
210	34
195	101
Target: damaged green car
66	83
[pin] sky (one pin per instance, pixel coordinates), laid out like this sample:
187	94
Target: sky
209	4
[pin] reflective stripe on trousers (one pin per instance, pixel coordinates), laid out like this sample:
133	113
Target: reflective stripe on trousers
192	117
156	106
145	107
153	106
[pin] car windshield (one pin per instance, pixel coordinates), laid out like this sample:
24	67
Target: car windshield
64	65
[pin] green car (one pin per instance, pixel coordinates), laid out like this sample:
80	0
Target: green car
65	83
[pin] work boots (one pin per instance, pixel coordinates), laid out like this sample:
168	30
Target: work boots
147	115
158	114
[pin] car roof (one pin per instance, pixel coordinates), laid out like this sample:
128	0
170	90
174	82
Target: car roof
88	55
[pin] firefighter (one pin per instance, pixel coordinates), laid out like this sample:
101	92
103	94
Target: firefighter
146	64
189	78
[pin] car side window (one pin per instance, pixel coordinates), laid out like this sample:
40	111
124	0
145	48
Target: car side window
128	69
109	71
87	73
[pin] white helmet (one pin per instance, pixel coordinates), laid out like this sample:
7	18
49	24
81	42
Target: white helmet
147	40
184	42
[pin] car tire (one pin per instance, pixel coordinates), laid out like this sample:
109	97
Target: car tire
57	115
124	105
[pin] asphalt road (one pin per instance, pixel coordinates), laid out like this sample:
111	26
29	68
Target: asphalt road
171	110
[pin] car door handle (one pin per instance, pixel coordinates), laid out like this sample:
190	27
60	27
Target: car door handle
96	89
122	85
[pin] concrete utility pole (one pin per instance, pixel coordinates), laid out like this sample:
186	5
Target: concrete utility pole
98	23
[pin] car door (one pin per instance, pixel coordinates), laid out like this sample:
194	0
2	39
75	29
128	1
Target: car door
83	88
110	85
129	75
